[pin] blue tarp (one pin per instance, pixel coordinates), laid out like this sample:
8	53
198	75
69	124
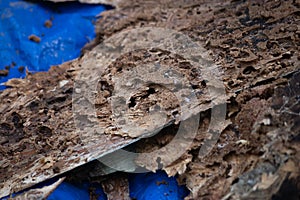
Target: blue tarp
144	186
72	27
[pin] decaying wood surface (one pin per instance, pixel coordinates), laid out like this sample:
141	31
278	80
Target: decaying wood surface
254	44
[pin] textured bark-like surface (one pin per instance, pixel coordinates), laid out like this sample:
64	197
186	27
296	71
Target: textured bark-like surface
116	187
257	46
254	44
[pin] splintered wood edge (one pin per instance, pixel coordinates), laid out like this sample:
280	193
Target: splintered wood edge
40	193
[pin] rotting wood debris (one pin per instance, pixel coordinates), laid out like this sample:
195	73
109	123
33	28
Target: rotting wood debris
256	46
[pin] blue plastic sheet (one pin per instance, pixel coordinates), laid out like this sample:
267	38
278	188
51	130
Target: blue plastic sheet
77	192
151	186
143	186
72	27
